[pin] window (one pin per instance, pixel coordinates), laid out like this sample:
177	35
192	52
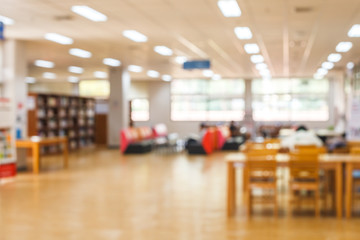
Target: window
94	88
140	110
290	100
207	100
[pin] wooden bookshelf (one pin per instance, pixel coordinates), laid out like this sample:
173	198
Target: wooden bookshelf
58	115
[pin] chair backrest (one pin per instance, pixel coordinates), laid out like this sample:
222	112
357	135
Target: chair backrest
261	166
355	150
304	166
310	149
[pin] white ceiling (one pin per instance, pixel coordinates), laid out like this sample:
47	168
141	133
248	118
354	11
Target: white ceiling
293	43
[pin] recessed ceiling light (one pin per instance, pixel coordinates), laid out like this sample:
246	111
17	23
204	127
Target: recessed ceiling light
59	38
264	72
80	53
229	8
257	59
252	48
135	68
243	32
30	80
344	46
162	50
44	64
327	65
6	20
75	69
322	71
207	73
261	66
216	77
135	36
318	76
49	75
180	59
89	13
153	74
350	65
166	78
334	57
73	79
354	31
100	74
111	62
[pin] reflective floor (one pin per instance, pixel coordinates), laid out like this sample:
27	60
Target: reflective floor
105	195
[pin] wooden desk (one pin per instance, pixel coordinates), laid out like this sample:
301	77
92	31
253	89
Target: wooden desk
35	146
327	161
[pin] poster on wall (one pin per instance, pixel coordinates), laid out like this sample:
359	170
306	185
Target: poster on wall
354	120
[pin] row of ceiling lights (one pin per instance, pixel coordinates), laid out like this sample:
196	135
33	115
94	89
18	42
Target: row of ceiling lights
333	58
96	16
230	8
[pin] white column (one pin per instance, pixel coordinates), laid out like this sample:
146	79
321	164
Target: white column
118	117
337	107
15	87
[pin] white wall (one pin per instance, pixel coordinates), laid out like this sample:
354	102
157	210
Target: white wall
54	87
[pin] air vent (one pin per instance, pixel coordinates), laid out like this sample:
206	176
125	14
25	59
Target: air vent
303	9
63	18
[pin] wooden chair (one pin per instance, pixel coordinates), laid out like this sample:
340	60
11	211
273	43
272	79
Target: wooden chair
304	175
261	174
355	150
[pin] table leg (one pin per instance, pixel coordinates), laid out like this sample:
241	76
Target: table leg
230	188
36	157
66	154
339	189
348	195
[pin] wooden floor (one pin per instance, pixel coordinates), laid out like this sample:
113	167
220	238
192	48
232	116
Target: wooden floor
105	195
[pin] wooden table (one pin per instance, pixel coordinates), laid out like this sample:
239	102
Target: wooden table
36	144
327	161
352	163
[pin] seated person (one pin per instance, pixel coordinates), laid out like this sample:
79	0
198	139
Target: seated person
194	138
234	130
301	137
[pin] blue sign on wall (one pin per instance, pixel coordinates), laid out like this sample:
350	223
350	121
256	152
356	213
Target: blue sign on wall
199	64
1	31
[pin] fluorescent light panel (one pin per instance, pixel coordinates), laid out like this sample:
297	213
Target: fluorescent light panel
6	20
153	74
243	33
135	68
80	53
257	59
180	59
30	80
207	73
261	66
229	8
73	79
252	48
100	74
59	38
162	50
216	77
344	46
354	31
44	64
112	62
166	78
89	13
135	36
49	75
322	71
350	65
74	69
327	65
334	57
